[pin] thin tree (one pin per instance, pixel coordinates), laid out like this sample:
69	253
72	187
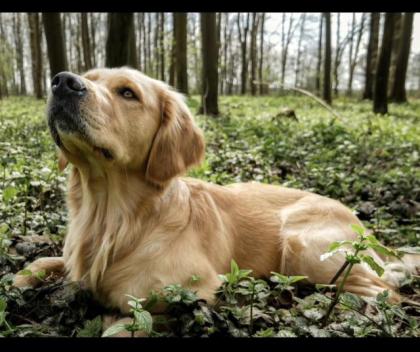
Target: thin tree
162	45
172	65
299	49
319	62
55	45
19	52
254	31
353	58
87	53
326	93
380	101
118	44
396	45
243	29
181	52
398	93
260	66
35	33
209	52
372	55
286	38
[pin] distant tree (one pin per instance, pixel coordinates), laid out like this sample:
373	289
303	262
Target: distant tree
380	101
243	29
260	66
120	40
398	93
172	63
396	45
181	52
35	33
87	53
327	59
162	45
19	52
209	93
55	45
319	61
299	49
354	55
286	38
372	55
254	31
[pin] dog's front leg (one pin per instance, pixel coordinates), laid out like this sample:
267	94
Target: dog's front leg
49	265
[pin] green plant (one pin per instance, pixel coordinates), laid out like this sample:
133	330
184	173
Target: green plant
142	320
363	243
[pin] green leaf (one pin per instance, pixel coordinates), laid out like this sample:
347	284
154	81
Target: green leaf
91	328
9	193
384	250
293	279
144	321
41	274
374	265
114	329
3	228
358	229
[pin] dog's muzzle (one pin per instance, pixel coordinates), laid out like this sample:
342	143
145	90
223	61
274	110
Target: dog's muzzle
68	90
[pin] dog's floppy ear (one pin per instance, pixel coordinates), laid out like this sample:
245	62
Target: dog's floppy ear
178	144
62	161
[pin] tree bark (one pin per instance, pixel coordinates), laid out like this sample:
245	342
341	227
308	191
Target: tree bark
254	30
319	62
120	39
372	55
353	59
396	44
162	45
36	53
55	44
244	59
19	52
299	50
181	52
327	60
87	52
260	67
398	93
380	101
209	53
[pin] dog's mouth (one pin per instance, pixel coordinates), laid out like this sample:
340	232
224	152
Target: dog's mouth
65	121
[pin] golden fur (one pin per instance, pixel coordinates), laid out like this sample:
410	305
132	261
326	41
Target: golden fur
136	225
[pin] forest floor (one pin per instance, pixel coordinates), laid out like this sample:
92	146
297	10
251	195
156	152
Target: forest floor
369	162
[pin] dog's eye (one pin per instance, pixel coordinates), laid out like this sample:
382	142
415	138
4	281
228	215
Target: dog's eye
127	93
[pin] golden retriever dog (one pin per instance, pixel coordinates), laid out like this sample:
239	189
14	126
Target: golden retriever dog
136	225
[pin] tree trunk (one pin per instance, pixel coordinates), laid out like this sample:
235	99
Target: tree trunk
36	53
254	29
120	39
210	63
319	62
181	52
260	67
398	93
244	59
353	60
55	44
372	55
87	53
327	60
172	66
396	45
380	101
93	24
138	40
286	38
299	50
19	52
162	45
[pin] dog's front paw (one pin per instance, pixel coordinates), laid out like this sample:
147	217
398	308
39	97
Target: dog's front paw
36	272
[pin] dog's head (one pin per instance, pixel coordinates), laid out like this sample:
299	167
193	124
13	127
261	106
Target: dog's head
120	118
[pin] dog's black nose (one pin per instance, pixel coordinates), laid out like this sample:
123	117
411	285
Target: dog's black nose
66	83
